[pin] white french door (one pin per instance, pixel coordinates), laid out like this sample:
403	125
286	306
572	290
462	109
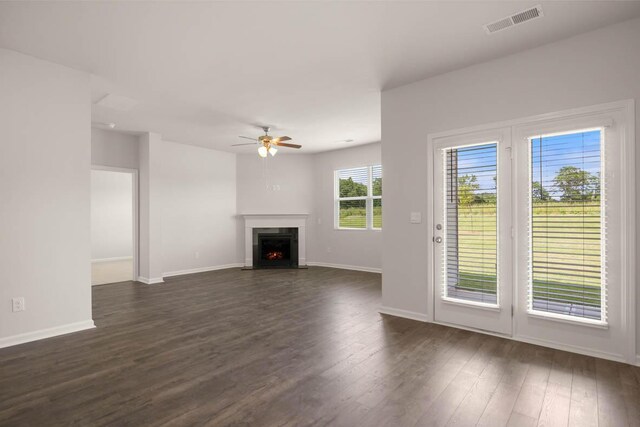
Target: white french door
533	230
472	230
570	243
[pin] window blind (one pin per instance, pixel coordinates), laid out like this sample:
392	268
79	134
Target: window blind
352	193
566	225
471	223
376	194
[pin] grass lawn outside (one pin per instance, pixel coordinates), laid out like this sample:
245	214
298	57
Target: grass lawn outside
357	217
566	252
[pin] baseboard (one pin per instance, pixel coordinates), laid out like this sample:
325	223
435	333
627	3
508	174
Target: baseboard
573	349
413	315
345	267
543	343
119	258
148	281
46	333
202	269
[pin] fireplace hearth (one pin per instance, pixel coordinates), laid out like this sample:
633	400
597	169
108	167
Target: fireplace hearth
275	248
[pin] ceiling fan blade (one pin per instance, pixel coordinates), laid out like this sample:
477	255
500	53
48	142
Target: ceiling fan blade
281	138
246	143
246	137
284	144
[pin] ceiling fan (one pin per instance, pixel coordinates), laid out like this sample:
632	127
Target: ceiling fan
268	144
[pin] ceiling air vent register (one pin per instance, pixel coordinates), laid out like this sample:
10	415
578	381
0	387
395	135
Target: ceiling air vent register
515	19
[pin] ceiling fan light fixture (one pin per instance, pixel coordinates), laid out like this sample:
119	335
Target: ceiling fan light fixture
268	144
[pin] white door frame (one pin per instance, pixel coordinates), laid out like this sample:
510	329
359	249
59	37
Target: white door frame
627	109
134	204
487	317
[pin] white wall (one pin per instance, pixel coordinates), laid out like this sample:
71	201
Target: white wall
150	208
280	184
198	192
359	248
111	215
596	67
113	148
187	201
45	117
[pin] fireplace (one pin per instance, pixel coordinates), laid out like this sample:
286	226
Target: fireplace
295	224
275	248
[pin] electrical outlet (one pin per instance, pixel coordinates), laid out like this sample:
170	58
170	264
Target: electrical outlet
197	255
328	249
18	304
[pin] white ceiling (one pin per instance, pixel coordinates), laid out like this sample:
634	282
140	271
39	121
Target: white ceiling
206	72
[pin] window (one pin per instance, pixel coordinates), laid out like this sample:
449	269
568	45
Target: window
566	225
358	198
471	223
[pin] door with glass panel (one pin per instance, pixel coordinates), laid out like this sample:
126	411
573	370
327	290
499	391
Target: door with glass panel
472	230
568	234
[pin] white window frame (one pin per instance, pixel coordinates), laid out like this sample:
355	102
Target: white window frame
369	198
571	126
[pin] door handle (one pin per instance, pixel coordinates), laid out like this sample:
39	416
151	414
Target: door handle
437	239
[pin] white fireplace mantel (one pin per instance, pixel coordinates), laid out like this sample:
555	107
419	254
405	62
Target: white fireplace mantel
252	221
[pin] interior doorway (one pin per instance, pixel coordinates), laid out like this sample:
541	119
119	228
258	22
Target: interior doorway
113	225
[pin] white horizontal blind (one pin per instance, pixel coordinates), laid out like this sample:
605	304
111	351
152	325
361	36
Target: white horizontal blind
471	223
376	195
353	189
359	198
567	225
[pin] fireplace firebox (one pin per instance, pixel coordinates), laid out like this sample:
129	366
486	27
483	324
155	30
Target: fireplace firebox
275	248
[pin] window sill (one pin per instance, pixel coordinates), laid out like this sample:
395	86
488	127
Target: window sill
578	321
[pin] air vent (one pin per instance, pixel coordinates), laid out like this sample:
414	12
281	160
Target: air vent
515	19
499	25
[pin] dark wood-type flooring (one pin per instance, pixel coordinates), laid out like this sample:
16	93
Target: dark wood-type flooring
295	347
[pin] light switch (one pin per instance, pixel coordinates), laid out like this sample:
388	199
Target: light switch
416	217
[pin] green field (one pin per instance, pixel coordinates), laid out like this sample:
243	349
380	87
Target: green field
566	248
566	251
356	217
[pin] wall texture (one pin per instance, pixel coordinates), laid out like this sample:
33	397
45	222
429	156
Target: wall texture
113	148
596	67
198	193
150	208
280	184
111	215
45	117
